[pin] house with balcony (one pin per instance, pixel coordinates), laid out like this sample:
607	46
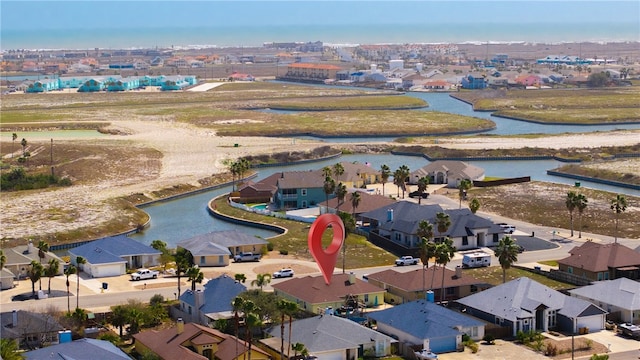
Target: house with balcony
310	72
395	227
474	81
300	189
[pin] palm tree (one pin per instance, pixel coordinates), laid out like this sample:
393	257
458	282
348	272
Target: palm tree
341	193
34	273
242	278
404	171
9	349
298	348
385	172
79	261
51	271
43	248
329	187
355	202
68	272
184	260
443	221
250	320
119	317
571	202
581	204
194	275
618	205
24	147
237	305
338	170
286	308
3	259
261	280
427	247
507	254
14	136
423	184
444	254
398	181
474	205
465	184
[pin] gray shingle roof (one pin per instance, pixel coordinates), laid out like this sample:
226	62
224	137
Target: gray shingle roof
622	292
301	179
112	249
218	242
218	295
427	320
519	298
327	332
79	349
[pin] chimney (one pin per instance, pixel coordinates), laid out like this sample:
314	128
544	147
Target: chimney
199	300
458	272
180	326
30	248
14	323
352	278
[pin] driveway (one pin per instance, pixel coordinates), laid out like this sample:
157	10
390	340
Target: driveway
502	350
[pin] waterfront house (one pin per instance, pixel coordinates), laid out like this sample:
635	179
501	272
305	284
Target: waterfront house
44	85
92	85
18	259
329	337
425	325
526	305
620	297
195	342
112	256
312	294
213	302
368	202
409	286
300	189
595	261
396	226
474	81
310	72
450	172
261	191
217	247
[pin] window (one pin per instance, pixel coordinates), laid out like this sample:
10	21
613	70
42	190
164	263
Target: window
473	288
304	203
551	319
366	298
570	270
465	240
303	192
474	331
203	260
498	320
189	309
450	291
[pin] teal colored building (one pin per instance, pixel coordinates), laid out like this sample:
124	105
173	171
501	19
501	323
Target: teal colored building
45	85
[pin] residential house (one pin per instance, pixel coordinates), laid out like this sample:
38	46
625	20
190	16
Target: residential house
45	85
6	279
216	248
214	302
448	172
437	85
529	80
112	256
422	324
92	85
620	297
368	202
236	76
19	259
29	329
300	189
312	294
474	81
596	261
309	72
79	349
413	80
397	225
329	337
261	191
409	286
526	305
195	342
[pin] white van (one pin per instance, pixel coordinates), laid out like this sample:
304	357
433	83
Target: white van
476	259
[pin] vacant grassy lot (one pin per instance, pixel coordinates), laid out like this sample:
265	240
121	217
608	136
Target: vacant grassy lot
561	106
493	275
544	204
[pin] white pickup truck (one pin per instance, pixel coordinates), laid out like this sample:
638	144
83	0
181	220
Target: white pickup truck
143	274
247	256
407	260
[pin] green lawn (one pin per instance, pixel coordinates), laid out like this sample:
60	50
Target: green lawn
493	275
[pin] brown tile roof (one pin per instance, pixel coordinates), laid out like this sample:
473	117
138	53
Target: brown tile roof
313	290
168	344
368	202
596	257
412	280
315	66
301	179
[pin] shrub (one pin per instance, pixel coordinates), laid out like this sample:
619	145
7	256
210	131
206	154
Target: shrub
472	345
156	299
465	338
284	252
269	246
552	350
489	339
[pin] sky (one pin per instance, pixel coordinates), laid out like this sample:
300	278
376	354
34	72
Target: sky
42	15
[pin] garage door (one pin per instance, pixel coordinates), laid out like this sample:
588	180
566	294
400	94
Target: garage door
443	344
594	323
105	270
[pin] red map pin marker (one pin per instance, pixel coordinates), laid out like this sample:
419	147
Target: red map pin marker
326	259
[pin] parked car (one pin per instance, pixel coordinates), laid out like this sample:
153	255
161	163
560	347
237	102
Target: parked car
22	297
506	228
407	260
143	274
415	194
247	256
283	273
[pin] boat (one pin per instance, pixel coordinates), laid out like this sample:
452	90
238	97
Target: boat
426	354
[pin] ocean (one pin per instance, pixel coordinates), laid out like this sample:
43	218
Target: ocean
252	36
